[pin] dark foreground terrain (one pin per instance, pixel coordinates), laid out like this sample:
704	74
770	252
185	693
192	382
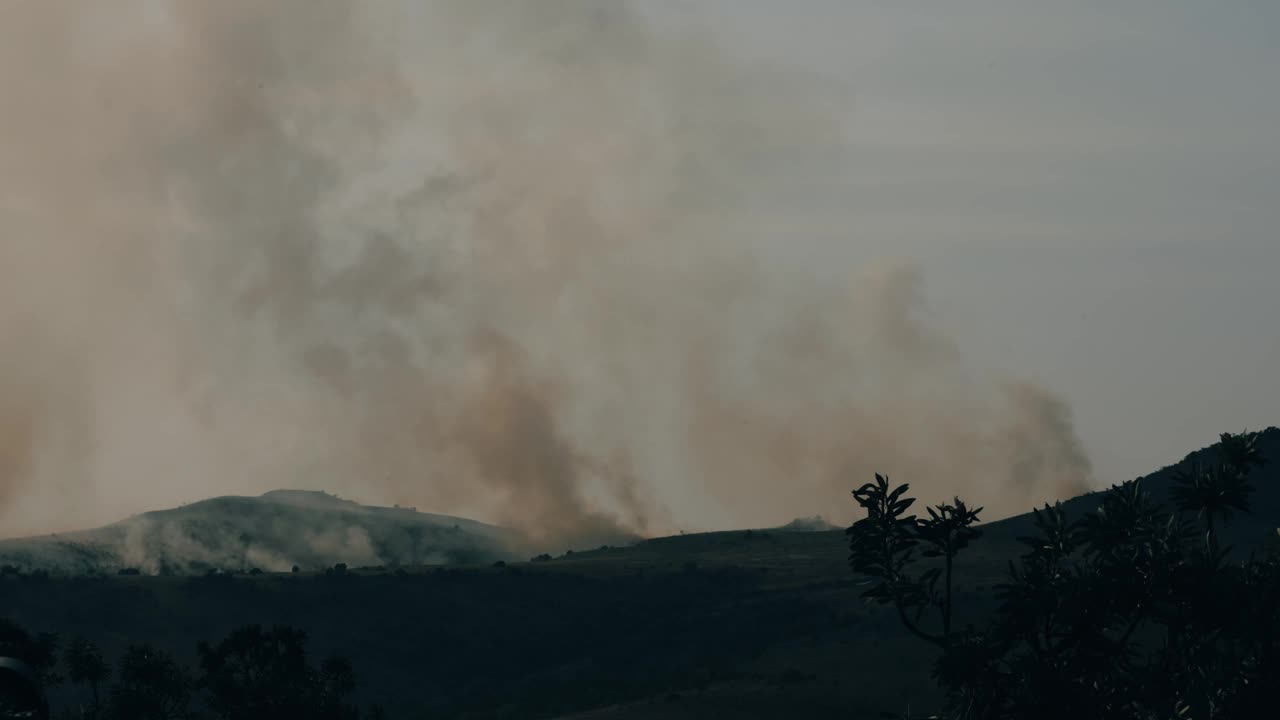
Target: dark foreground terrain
736	624
756	619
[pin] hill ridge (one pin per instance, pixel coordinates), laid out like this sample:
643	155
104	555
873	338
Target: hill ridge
275	531
1244	530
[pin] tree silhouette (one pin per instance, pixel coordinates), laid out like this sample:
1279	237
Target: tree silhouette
251	674
882	546
946	532
150	685
1216	489
1121	614
259	674
85	665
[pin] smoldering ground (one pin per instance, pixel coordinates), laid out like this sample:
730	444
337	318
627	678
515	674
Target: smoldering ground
275	532
470	256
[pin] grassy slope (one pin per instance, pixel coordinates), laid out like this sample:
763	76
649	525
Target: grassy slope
774	614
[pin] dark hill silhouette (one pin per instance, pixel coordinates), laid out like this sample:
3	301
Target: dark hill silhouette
817	523
272	532
1244	532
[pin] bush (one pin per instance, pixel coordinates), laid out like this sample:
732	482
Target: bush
150	685
1132	612
259	674
252	674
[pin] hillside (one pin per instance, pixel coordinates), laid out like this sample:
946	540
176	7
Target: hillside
1243	531
272	532
744	624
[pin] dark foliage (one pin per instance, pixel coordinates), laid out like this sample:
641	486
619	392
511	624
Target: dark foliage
256	673
28	669
252	674
1132	612
883	545
86	666
39	652
150	685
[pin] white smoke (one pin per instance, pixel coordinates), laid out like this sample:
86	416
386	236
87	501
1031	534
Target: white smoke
470	256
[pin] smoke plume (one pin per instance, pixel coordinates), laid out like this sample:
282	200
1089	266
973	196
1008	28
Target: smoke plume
470	256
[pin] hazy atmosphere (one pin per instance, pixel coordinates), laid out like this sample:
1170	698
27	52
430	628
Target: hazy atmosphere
592	270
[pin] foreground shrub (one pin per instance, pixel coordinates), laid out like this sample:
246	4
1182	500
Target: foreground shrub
1134	611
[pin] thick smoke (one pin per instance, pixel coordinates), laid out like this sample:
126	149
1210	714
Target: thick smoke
472	256
274	532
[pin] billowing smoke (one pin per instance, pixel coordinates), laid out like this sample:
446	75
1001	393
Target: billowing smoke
471	256
275	531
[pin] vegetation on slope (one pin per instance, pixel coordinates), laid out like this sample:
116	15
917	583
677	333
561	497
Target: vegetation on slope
1133	611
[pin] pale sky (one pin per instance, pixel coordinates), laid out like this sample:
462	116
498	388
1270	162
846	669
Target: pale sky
1092	190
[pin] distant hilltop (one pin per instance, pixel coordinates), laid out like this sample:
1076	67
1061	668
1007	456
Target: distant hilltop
275	531
313	530
817	523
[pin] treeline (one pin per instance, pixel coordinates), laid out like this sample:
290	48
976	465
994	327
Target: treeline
1133	612
254	673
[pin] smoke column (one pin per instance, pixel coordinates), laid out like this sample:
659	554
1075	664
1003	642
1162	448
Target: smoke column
468	256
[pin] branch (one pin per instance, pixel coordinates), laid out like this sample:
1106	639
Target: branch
902	615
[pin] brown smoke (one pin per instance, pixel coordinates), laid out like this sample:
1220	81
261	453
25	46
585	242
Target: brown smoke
469	256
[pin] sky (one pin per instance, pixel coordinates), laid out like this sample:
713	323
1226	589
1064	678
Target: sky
1091	189
602	269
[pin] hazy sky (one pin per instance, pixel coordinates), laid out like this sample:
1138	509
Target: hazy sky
587	267
1092	190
